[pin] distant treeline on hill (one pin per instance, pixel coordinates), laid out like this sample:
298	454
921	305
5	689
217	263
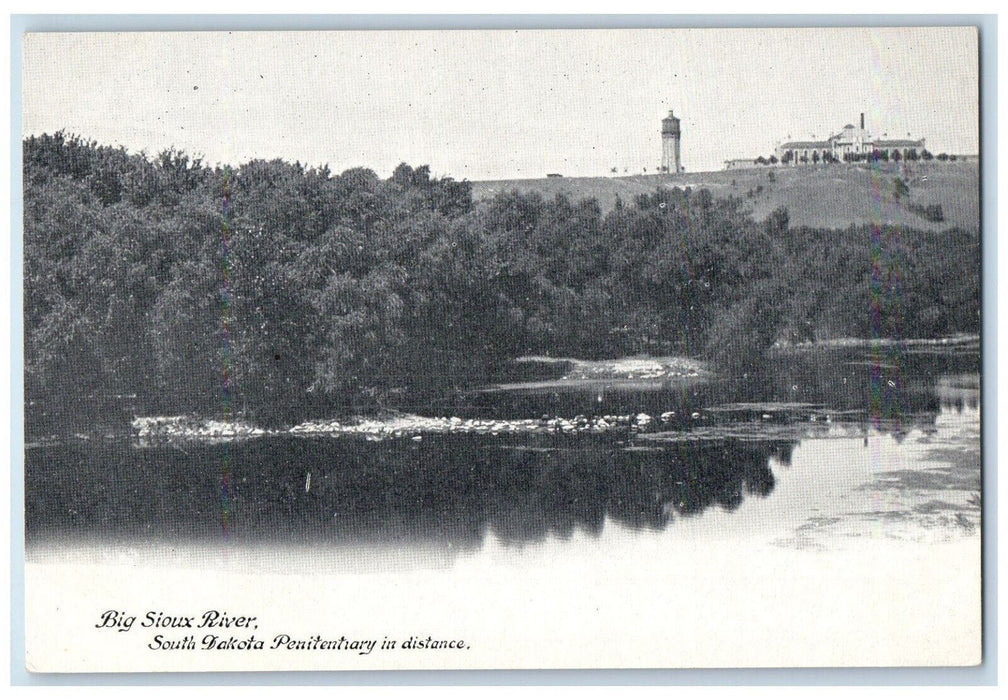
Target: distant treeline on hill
148	281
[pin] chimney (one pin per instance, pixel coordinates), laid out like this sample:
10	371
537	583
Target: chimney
862	121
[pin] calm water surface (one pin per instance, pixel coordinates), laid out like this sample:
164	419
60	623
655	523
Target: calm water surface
815	451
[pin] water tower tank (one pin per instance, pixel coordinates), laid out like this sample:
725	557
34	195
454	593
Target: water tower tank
671	135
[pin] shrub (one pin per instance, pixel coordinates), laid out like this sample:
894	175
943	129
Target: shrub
929	212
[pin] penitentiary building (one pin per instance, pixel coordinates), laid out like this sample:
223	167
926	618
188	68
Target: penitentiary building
852	143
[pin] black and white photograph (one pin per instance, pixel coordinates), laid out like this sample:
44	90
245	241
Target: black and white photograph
502	349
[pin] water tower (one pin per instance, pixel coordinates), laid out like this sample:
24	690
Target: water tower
670	136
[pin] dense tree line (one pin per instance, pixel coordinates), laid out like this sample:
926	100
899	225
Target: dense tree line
148	280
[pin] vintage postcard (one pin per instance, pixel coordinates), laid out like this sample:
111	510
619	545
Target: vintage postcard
510	349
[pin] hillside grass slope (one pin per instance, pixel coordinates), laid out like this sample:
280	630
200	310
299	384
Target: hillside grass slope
818	196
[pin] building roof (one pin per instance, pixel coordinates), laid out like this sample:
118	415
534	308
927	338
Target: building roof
898	143
805	144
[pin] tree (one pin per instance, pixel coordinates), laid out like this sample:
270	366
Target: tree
776	223
900	188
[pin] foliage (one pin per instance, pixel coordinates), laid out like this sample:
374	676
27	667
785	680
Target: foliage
928	212
152	283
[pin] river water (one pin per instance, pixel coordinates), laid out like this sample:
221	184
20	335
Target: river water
816	449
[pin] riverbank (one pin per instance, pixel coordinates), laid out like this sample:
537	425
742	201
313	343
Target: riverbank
650	397
151	430
635	367
961	341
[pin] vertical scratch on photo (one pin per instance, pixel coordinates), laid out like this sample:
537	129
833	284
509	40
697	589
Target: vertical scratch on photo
875	299
688	277
885	309
886	356
225	351
877	334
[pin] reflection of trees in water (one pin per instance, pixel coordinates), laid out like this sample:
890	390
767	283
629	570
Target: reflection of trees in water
961	403
686	478
447	489
453	489
893	387
895	395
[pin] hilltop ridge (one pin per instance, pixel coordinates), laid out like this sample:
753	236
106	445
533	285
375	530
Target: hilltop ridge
821	196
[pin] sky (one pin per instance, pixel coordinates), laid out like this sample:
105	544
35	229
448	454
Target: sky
500	104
